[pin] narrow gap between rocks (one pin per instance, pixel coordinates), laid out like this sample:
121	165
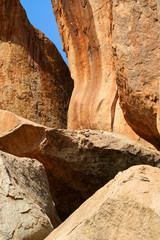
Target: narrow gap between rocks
40	14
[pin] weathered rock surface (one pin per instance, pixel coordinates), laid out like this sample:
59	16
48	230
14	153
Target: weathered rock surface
136	37
86	36
114	59
127	207
158	115
77	162
26	207
34	80
158	9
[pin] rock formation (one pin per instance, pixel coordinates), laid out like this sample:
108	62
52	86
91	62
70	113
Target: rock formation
19	136
136	37
113	48
114	59
27	210
34	80
126	208
158	115
77	162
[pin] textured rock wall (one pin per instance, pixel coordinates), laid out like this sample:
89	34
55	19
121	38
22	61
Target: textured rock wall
113	53
34	80
158	115
87	41
137	48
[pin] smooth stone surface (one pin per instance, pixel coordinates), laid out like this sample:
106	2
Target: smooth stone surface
127	207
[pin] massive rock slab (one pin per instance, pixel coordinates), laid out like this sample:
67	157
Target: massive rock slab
34	80
77	162
26	207
86	36
126	208
136	37
114	59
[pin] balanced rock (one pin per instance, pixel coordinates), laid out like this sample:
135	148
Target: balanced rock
27	210
114	59
127	207
35	82
77	162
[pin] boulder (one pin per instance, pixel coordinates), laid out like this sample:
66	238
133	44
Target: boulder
127	207
18	135
114	59
77	162
26	207
35	82
80	162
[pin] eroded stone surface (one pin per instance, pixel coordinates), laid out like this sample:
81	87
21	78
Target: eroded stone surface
86	35
114	59
27	210
77	162
158	115
126	208
35	82
136	37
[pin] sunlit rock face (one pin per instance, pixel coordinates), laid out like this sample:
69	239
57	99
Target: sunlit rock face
137	45
125	208
158	115
86	36
34	80
113	52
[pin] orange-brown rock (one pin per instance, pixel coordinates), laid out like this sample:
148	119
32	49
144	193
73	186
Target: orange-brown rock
19	136
113	52
158	115
136	37
127	208
77	162
34	80
86	36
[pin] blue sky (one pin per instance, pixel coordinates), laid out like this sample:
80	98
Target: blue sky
40	15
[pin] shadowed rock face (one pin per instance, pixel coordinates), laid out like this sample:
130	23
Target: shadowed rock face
113	51
34	80
126	208
77	162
